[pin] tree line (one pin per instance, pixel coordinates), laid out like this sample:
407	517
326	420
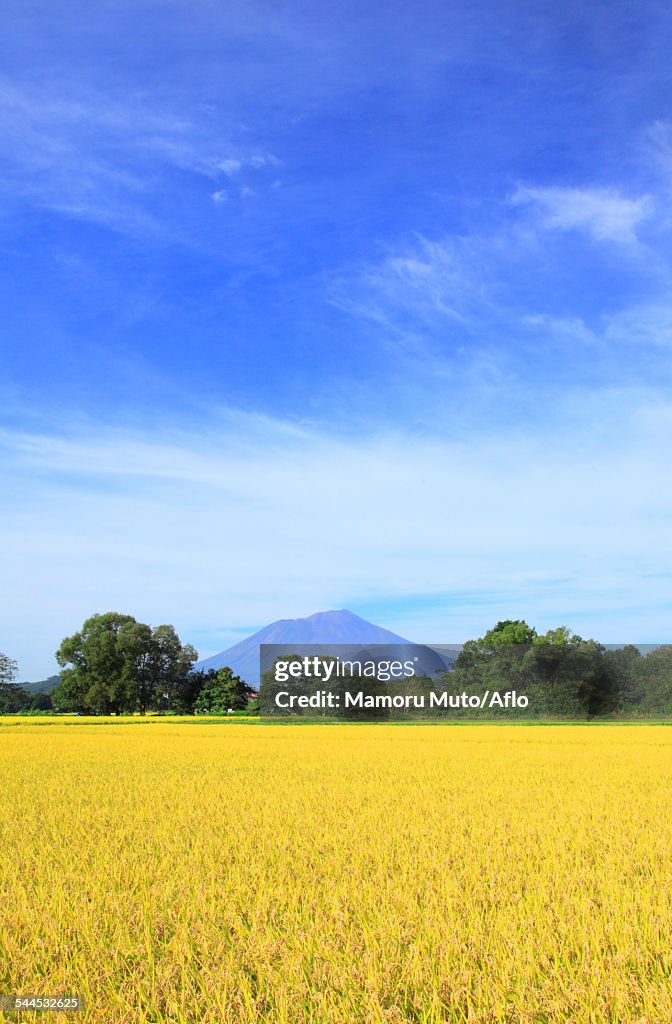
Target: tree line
116	665
561	674
565	675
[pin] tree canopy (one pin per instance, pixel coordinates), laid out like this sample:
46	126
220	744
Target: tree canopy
116	664
562	673
12	697
221	692
8	669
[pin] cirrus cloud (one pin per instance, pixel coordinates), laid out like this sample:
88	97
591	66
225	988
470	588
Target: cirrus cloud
604	214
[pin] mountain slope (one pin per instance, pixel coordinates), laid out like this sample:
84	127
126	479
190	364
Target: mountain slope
42	685
335	627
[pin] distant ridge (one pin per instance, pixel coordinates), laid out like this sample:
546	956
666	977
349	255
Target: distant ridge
42	685
334	627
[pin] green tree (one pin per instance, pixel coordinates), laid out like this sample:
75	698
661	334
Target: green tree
8	669
187	689
156	662
559	671
118	664
40	702
505	633
222	692
497	660
13	698
655	678
170	665
624	665
98	679
572	675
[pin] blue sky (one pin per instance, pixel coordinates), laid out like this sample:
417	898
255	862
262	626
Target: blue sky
314	305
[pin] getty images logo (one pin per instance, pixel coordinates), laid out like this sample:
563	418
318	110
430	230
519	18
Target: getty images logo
325	669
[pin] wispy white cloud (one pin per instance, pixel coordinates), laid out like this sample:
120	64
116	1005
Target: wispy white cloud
487	311
229	167
425	303
263	519
233	166
604	214
104	161
570	331
642	325
429	278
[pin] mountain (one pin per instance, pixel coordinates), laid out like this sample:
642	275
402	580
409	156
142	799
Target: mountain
336	627
42	685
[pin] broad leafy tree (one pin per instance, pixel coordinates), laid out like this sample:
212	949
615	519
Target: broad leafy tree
222	692
654	674
561	673
13	698
116	664
8	669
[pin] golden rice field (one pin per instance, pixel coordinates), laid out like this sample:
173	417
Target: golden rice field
240	873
